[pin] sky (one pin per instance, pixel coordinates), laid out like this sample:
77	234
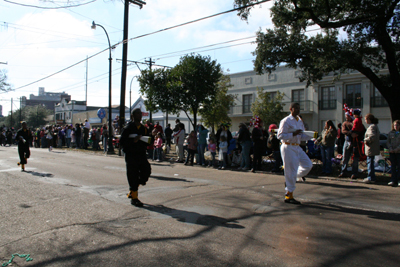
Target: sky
38	42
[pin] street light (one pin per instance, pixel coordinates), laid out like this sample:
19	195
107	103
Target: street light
110	149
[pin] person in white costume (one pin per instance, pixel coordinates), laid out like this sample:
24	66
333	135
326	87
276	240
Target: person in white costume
296	162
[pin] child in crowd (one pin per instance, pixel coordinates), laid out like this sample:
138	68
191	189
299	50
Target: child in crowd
223	152
212	147
158	146
192	147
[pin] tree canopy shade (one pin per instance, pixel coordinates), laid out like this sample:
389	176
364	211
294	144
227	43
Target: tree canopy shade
190	85
195	82
268	108
216	111
34	116
159	90
371	41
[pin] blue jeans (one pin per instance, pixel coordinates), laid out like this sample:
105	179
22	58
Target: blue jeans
346	157
395	161
246	146
327	155
105	144
371	168
201	148
68	141
212	162
159	153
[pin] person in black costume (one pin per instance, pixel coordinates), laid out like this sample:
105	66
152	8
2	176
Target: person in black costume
138	169
23	137
258	136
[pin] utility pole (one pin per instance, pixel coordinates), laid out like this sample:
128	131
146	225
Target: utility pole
150	62
87	65
125	58
11	113
20	109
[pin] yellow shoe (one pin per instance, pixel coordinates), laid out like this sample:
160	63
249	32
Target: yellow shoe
290	199
132	194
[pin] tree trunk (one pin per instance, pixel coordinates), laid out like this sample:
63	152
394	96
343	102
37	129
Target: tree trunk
392	96
194	119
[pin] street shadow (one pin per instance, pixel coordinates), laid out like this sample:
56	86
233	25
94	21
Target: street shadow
386	216
340	185
40	174
170	179
194	217
57	152
159	164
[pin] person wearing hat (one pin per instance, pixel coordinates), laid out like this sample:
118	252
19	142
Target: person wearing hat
138	169
23	137
296	162
357	133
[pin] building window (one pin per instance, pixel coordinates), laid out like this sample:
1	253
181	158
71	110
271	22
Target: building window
247	100
377	99
328	97
272	96
353	96
298	97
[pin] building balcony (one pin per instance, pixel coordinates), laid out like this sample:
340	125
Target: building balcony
327	104
240	110
353	102
306	106
378	102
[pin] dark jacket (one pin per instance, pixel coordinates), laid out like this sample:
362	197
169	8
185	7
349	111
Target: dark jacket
274	143
243	135
27	135
168	132
256	135
131	149
78	132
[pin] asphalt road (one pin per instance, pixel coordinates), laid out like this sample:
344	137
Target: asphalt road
70	209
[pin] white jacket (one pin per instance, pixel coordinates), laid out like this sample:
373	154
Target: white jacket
179	137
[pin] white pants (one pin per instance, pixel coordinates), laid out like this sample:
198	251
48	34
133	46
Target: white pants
179	151
296	163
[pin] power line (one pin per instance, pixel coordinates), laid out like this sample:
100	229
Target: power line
197	20
41	7
207	50
144	35
200	47
62	70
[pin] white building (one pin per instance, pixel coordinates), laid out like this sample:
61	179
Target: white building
162	117
319	102
65	109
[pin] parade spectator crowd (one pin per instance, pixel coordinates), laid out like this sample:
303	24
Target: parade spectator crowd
252	145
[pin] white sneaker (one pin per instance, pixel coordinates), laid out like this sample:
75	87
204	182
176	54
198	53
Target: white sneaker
390	183
223	168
